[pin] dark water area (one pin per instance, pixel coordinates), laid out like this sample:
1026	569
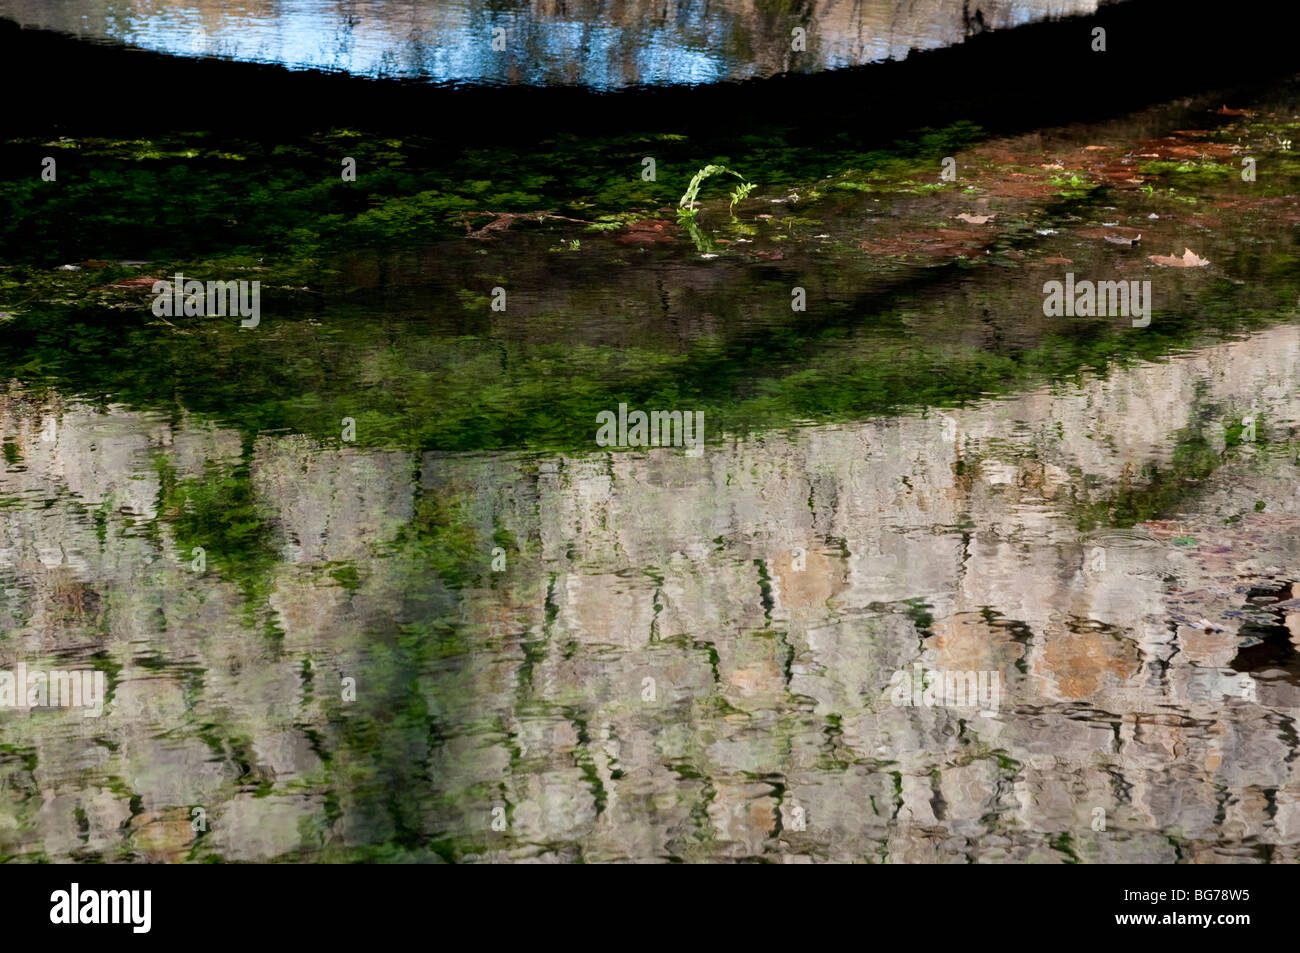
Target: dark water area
365	582
1038	74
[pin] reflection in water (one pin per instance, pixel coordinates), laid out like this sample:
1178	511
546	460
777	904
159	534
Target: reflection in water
324	649
680	658
591	42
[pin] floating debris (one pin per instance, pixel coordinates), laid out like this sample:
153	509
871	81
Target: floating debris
1189	259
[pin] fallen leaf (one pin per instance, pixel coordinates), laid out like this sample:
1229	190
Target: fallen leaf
976	219
649	231
1189	259
1115	234
134	283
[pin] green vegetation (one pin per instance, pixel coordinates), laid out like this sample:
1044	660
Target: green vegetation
687	203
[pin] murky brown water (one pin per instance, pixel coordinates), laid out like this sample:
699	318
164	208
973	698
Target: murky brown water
592	42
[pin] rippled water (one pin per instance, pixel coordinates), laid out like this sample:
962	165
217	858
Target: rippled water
590	42
680	658
465	631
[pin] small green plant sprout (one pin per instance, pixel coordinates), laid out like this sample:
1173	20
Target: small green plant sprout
739	193
687	205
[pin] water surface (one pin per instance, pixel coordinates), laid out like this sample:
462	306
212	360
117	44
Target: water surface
565	652
594	43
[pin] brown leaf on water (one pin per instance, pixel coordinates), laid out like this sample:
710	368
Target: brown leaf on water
140	282
649	231
1021	189
939	242
976	219
1115	234
1225	111
1189	259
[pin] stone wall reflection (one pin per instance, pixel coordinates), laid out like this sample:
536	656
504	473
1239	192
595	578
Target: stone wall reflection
949	540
